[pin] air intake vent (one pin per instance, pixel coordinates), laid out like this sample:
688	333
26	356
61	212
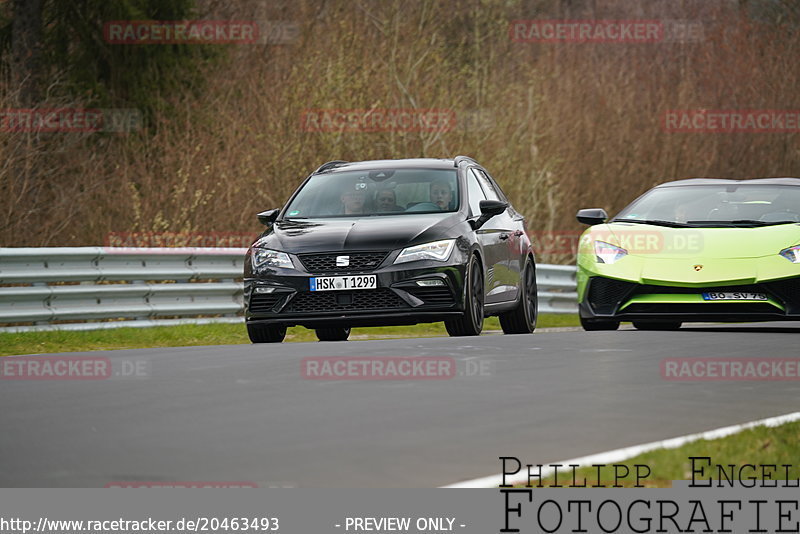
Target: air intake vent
605	294
433	296
337	301
265	302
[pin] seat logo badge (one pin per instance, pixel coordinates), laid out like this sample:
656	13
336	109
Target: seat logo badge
342	261
698	267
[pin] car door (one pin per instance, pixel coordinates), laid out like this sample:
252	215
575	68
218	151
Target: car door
490	237
507	268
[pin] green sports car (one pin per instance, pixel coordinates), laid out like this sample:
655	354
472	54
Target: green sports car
693	250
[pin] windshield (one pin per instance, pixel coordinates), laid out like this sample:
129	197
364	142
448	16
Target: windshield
716	205
376	192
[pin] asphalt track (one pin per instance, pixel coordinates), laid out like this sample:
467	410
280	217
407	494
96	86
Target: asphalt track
245	413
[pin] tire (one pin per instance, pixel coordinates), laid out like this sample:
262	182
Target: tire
522	319
266	333
595	325
333	334
646	325
471	323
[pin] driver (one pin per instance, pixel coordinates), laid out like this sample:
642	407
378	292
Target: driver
353	198
781	210
441	194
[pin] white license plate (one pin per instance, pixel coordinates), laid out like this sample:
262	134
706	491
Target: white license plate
340	283
734	296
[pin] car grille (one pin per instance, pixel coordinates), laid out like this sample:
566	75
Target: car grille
326	263
338	301
265	302
433	296
671	290
606	294
787	291
711	308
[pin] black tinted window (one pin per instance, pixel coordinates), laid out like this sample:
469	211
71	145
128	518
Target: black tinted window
475	193
697	204
376	192
486	185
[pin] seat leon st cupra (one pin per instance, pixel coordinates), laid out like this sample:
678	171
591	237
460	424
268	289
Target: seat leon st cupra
693	250
392	242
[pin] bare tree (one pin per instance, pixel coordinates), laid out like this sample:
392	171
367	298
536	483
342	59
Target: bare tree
26	45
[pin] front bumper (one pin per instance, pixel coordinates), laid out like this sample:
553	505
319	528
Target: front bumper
397	300
625	300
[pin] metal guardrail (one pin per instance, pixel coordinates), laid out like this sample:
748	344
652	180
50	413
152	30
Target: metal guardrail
557	288
67	288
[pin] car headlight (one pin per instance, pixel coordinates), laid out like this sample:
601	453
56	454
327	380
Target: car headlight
608	253
792	254
438	251
270	258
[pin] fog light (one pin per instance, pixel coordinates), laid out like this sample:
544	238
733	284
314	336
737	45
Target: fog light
264	290
429	283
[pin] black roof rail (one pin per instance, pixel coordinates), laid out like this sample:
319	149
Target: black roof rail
458	159
329	165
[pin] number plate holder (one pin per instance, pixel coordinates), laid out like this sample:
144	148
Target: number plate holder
732	295
343	283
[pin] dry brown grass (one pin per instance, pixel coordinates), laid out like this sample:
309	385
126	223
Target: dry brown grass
569	125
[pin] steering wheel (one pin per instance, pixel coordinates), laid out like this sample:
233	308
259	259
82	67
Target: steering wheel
777	216
424	206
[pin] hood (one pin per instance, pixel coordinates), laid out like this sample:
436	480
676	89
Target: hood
387	232
652	241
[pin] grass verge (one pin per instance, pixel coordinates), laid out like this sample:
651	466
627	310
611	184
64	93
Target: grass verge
213	334
759	446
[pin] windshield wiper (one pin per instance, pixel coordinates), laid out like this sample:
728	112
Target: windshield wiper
655	222
739	223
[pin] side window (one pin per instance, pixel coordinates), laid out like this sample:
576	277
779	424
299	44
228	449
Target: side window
496	187
488	189
475	193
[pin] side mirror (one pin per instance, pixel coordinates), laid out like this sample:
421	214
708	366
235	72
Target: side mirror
592	216
489	208
492	207
268	217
